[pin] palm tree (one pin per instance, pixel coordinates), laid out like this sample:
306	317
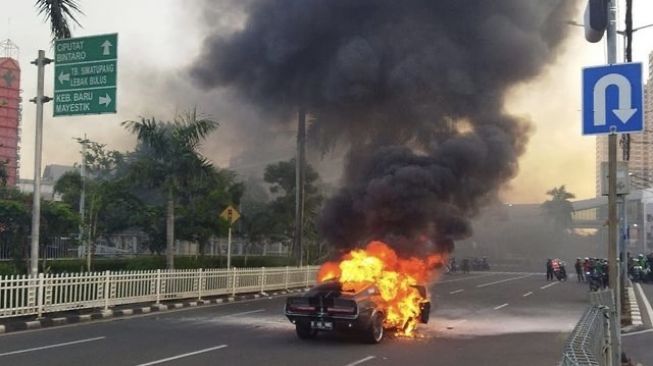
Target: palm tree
559	207
170	160
60	13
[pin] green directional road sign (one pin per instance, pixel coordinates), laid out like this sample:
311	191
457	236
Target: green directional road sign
85	75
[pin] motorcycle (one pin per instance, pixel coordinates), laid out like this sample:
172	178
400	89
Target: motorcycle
636	274
560	273
594	279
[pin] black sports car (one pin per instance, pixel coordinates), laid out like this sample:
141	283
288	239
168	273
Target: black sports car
327	307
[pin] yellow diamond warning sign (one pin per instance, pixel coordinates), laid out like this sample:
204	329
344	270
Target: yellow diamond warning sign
230	214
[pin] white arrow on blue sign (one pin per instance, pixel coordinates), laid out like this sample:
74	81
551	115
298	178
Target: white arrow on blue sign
613	99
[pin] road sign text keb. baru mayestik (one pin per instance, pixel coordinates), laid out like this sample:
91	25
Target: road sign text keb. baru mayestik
85	75
612	99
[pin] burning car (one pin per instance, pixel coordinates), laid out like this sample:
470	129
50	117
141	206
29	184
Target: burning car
329	307
368	291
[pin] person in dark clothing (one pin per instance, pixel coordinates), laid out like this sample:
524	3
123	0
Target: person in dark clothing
549	270
579	270
465	266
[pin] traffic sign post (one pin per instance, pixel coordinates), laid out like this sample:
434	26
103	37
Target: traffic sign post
85	75
231	215
613	99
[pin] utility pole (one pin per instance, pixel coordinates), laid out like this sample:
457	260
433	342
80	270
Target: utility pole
40	99
82	203
299	185
613	256
625	228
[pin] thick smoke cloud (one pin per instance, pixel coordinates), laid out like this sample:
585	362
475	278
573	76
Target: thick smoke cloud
415	87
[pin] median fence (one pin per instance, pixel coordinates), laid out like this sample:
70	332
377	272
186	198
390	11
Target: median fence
45	293
588	344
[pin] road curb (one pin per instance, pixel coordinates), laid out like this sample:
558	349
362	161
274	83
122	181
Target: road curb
633	307
100	314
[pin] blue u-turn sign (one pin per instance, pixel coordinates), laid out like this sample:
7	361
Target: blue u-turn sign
612	99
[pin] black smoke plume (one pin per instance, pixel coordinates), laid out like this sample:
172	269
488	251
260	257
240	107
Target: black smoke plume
416	87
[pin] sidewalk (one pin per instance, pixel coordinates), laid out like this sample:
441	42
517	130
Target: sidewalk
638	344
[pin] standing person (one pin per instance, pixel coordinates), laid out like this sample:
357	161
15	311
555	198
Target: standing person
579	270
465	265
605	271
549	270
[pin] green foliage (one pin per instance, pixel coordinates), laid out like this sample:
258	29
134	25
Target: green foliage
4	174
59	13
8	269
57	220
168	160
69	186
201	203
148	263
14	226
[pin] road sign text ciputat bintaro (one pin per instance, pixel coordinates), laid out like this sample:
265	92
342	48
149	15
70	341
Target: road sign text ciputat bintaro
85	75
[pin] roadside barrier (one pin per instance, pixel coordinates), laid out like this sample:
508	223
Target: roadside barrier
22	295
588	344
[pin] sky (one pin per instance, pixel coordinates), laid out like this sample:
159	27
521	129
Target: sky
158	39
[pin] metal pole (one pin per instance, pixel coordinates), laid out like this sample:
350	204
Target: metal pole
299	185
229	247
82	204
612	199
40	63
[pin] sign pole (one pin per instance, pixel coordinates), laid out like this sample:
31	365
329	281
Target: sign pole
231	215
40	63
229	247
612	200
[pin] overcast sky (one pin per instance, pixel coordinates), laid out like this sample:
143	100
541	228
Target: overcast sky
159	38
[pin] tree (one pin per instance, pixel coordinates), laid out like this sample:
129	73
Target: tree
59	13
202	201
4	174
110	205
14	225
169	160
559	208
281	177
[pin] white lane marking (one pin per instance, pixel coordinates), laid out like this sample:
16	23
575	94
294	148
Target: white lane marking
549	285
500	306
647	305
183	355
502	281
456	292
527	294
51	346
472	277
638	332
244	313
361	361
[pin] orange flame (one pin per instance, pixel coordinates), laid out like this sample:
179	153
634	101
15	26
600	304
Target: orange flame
394	277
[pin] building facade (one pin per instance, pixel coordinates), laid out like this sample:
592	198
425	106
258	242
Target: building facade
10	110
640	164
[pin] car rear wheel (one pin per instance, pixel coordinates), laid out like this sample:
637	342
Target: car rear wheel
374	333
304	331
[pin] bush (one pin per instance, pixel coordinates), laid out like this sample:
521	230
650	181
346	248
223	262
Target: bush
145	264
8	268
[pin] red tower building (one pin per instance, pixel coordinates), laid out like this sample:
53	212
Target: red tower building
10	111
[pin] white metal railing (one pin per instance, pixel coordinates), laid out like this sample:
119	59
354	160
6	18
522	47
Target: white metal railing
44	293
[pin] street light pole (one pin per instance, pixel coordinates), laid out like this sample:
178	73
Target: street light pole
299	185
40	99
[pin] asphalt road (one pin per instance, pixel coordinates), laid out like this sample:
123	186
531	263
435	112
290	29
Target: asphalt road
478	319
